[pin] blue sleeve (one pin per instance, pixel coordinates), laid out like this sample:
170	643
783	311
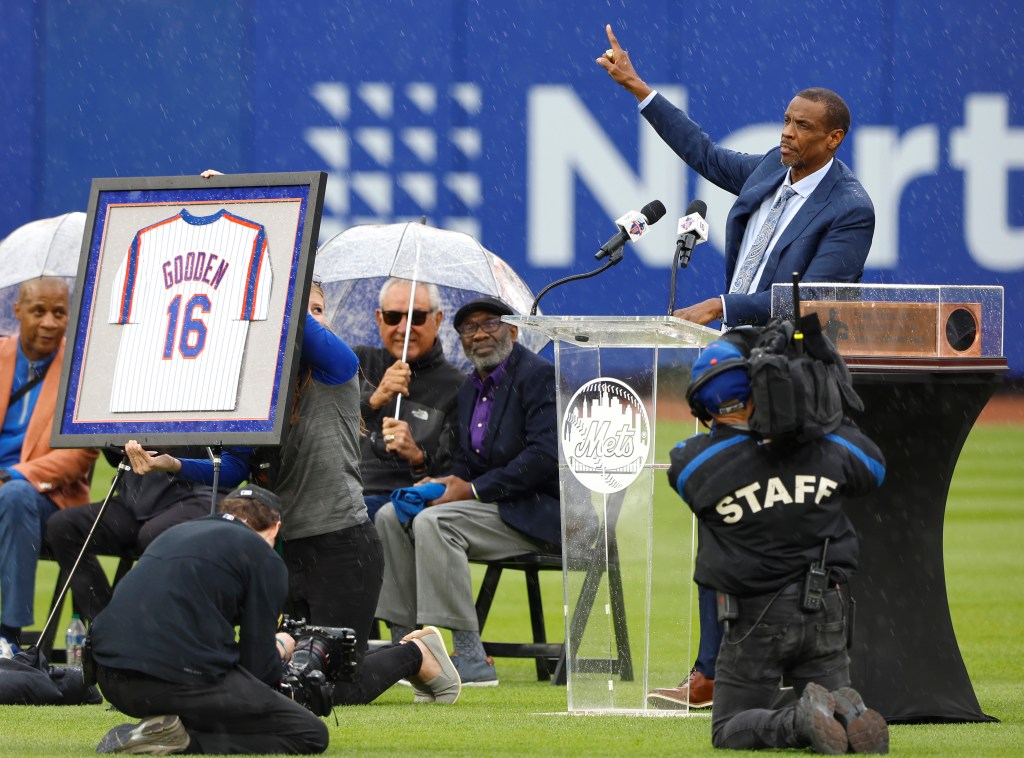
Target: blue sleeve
331	360
234	468
722	167
865	462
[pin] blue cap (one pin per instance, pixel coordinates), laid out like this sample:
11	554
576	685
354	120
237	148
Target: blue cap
726	389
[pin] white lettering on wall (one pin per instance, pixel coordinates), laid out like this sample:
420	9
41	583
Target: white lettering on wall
886	164
986	149
566	144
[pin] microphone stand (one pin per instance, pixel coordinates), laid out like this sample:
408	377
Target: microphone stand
681	259
613	258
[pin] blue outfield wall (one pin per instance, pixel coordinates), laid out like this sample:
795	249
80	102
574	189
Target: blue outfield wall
496	120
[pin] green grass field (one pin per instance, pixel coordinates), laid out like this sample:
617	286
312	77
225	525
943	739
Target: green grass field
522	717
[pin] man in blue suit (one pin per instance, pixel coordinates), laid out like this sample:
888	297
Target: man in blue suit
500	500
798	208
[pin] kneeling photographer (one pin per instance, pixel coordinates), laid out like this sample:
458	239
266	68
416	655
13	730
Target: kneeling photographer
165	648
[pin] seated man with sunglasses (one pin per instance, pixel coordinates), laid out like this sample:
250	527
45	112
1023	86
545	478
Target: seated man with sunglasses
500	499
399	451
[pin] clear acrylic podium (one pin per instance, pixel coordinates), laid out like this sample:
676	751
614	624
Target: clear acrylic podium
620	557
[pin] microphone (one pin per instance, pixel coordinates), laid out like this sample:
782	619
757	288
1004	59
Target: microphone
632	226
691	231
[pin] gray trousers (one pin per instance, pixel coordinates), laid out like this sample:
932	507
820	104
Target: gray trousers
426	570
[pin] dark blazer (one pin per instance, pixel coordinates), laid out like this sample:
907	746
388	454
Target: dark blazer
827	241
520	469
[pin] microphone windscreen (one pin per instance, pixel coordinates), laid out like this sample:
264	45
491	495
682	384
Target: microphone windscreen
653	211
697	206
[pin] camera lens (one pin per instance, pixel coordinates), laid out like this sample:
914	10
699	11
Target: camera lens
311	654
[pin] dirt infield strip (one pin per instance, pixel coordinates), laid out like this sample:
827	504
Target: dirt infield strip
1003	408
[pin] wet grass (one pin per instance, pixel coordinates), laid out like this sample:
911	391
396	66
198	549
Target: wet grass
984	567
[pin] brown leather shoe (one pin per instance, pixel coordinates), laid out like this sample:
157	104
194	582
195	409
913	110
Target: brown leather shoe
695	692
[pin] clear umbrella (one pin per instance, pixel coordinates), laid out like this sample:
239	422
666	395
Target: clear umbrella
353	265
48	247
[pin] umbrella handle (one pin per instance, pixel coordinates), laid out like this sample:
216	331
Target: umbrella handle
408	329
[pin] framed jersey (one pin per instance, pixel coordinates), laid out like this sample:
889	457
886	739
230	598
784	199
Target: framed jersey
188	310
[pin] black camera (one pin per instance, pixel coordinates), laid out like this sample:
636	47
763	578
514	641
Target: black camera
323	656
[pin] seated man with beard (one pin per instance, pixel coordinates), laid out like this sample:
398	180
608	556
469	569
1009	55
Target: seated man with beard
500	500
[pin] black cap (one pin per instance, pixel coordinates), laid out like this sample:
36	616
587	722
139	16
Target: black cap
489	304
252	492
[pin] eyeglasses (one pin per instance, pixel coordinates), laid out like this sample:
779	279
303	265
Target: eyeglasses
394	318
489	325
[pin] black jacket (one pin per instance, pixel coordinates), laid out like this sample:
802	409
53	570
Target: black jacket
764	511
149	495
173	616
430	411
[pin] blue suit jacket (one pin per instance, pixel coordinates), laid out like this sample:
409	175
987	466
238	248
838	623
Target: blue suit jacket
520	469
827	241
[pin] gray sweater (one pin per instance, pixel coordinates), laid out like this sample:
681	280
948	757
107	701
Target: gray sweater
318	480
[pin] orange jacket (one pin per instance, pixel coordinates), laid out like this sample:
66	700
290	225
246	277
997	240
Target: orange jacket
62	475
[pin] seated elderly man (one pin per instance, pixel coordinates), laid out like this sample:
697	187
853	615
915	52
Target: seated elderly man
35	481
399	451
500	500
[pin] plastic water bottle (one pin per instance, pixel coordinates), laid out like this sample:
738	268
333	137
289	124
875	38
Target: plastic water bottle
74	641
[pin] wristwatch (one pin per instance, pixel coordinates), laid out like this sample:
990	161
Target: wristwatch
424	467
5	476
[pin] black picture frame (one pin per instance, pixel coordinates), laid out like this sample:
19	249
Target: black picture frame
255	236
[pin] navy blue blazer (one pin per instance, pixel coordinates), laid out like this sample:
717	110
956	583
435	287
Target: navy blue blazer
827	241
520	469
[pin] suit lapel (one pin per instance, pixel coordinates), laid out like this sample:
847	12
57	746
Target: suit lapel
811	208
502	395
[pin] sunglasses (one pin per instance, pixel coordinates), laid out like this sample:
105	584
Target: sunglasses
394	318
489	325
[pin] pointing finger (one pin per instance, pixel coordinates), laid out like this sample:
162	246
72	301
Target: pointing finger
612	39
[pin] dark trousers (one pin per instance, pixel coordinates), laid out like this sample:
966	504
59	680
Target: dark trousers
334	579
759	651
236	714
119	531
711	631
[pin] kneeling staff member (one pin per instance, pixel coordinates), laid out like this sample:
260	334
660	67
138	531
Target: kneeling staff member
775	544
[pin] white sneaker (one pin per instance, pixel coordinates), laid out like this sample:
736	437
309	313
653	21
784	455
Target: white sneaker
7	650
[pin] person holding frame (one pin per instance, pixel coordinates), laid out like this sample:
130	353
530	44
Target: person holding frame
328	542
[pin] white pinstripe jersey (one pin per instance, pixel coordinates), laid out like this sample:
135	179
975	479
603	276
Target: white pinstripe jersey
186	293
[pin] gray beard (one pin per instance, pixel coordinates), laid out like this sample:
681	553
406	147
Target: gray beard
492	361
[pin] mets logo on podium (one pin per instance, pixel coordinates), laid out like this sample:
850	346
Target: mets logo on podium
606	435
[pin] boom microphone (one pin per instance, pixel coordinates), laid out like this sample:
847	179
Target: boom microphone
632	226
691	231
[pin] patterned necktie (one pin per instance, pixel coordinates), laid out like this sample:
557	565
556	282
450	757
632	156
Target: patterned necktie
764	235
